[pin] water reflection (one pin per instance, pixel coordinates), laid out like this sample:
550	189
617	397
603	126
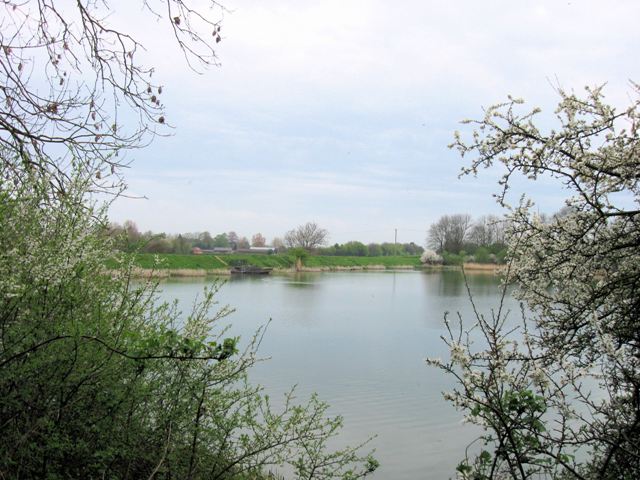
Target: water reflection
359	339
245	278
451	283
299	280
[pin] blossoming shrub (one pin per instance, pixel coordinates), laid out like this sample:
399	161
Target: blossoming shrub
429	257
558	392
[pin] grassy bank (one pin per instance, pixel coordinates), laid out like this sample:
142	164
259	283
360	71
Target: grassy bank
365	262
201	264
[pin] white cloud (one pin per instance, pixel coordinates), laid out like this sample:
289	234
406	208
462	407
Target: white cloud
341	111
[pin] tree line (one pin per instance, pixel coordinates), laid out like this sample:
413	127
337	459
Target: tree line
309	236
128	238
458	238
359	249
455	238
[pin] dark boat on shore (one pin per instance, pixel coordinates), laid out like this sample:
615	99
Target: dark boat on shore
250	270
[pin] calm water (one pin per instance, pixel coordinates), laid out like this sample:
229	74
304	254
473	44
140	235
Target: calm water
360	340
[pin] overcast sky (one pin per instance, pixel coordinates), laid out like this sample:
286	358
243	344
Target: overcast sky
340	112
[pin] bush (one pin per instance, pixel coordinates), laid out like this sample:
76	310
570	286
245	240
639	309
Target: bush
482	255
452	258
97	380
429	257
501	256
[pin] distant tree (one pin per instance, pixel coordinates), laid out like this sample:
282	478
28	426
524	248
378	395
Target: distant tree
243	243
233	239
127	237
437	237
480	232
220	241
449	233
487	230
258	240
132	232
390	249
204	240
157	244
354	249
375	250
482	255
181	245
299	255
328	251
278	243
307	236
412	248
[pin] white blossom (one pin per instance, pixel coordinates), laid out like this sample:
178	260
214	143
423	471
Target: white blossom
570	386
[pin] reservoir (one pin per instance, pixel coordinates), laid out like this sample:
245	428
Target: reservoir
359	339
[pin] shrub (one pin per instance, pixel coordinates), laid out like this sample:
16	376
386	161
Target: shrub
429	257
98	380
452	258
558	391
482	255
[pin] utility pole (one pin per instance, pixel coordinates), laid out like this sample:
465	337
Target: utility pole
395	239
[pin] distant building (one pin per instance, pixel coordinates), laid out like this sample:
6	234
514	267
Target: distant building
219	250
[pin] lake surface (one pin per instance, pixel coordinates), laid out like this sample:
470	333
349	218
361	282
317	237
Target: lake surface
359	339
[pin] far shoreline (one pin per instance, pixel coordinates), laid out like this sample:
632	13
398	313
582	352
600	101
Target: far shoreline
164	273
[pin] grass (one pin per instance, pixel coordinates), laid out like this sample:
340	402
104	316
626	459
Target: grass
173	261
389	262
210	262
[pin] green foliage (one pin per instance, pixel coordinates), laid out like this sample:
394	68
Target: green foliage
391	249
356	249
452	258
479	470
359	249
523	411
501	256
298	253
220	241
482	255
99	380
386	261
375	250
